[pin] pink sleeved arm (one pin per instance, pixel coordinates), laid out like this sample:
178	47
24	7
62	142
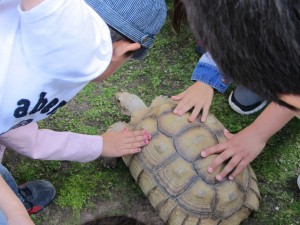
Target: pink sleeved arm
46	144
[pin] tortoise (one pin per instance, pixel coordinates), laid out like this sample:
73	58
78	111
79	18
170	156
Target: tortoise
173	175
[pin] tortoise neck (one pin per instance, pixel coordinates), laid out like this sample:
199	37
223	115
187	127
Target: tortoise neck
136	106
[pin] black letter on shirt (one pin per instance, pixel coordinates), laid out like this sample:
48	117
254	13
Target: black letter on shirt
40	104
23	110
50	105
61	104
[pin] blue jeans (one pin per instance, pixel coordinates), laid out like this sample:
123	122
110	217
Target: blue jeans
13	185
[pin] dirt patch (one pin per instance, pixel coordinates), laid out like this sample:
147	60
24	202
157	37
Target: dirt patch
142	211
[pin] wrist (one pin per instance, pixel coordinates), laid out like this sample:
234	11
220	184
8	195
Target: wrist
258	133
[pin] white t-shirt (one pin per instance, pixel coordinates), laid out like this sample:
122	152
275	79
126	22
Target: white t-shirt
47	55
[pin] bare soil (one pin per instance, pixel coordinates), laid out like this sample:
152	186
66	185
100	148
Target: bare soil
142	211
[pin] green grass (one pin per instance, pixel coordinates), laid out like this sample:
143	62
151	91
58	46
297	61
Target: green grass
165	71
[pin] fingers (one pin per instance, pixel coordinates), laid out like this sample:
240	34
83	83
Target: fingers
194	114
213	150
131	148
237	152
124	142
235	167
133	145
227	169
135	139
182	107
179	96
136	135
236	163
129	151
204	115
227	134
224	156
219	160
241	166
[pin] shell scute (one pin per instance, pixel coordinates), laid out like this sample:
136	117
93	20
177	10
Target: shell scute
149	124
146	182
169	123
157	197
157	152
165	209
201	166
190	142
198	198
176	176
229	199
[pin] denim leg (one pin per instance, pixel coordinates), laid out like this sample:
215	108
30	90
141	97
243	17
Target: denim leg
10	181
245	96
12	184
3	220
2	149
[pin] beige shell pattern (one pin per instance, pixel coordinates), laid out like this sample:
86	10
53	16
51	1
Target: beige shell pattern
174	177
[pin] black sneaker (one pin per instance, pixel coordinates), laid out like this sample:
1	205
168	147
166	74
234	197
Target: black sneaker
37	195
245	102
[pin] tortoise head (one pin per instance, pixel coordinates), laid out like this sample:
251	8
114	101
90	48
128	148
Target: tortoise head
128	103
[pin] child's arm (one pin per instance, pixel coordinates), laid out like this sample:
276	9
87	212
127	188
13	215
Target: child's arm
199	95
247	144
12	207
47	144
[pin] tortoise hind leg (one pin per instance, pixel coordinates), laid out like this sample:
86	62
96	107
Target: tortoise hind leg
108	162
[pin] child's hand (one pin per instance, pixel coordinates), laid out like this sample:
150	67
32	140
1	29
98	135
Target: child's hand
198	96
119	143
240	150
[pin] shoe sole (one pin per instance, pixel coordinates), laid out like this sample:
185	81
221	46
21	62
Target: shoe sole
238	110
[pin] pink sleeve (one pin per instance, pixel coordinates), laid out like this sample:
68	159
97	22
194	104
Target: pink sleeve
50	145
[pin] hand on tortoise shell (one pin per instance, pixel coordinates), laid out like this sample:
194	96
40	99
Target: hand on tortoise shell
119	143
198	96
240	149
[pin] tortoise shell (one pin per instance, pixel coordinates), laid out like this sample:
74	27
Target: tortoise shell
174	177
